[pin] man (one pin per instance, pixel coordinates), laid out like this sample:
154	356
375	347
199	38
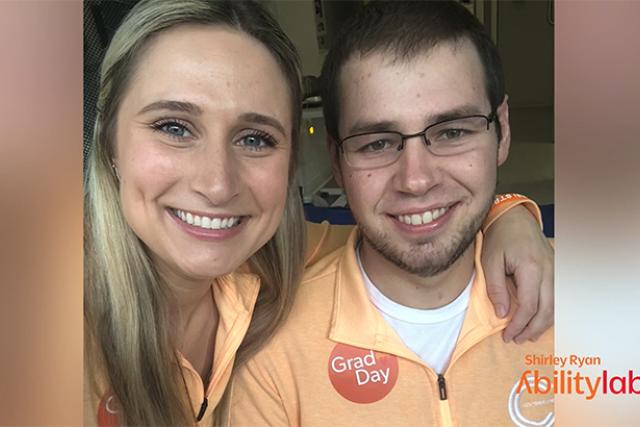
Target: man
397	328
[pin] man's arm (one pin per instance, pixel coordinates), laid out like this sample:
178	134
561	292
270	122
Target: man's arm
515	246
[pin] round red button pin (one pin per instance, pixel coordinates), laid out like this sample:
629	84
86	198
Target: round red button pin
360	375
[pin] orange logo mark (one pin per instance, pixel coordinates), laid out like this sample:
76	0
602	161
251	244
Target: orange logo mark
108	411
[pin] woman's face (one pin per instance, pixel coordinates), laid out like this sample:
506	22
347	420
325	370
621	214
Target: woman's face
203	142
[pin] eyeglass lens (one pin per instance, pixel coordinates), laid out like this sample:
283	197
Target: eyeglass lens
448	138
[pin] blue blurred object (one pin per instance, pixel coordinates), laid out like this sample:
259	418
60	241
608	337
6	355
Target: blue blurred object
343	216
548	219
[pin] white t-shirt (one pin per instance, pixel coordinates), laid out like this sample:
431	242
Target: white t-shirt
431	334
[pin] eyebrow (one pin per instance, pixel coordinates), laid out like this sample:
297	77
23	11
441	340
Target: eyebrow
263	120
382	126
182	106
365	127
188	107
465	110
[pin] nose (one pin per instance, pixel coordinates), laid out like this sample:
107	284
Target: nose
215	175
417	170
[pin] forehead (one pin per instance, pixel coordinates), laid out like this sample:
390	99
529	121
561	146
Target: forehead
213	66
381	87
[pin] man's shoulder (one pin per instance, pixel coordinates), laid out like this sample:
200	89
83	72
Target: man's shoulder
310	316
323	267
314	298
323	239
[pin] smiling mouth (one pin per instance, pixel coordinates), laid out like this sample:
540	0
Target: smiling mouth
425	217
207	223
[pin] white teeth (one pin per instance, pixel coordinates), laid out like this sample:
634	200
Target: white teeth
206	222
425	218
438	213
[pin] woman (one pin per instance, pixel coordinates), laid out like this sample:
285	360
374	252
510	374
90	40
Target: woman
152	173
194	234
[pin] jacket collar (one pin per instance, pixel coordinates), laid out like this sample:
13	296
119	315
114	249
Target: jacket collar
235	296
356	321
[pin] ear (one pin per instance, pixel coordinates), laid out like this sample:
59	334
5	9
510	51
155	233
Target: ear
334	153
505	131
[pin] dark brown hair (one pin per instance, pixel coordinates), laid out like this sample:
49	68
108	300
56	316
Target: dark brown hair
404	29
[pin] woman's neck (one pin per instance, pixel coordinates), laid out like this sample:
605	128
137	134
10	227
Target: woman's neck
196	335
194	317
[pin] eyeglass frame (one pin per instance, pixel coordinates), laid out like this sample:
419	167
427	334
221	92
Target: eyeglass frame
403	137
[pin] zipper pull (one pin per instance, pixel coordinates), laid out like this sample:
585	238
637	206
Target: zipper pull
442	387
203	409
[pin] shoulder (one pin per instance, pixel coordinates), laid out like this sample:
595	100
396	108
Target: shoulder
324	238
323	267
309	320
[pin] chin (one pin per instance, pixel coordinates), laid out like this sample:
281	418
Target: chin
207	269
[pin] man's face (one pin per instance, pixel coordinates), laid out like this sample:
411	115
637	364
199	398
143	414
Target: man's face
423	211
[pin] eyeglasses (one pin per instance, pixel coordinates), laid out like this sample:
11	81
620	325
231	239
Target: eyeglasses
446	138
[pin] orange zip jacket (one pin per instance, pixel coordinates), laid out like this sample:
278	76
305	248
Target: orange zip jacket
235	296
336	361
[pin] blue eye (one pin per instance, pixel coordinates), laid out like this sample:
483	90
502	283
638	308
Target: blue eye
173	129
253	141
256	141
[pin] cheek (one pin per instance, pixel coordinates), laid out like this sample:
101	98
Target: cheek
147	171
365	189
478	171
140	155
146	174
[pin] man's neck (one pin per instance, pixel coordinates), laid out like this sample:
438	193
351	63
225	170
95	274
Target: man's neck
414	291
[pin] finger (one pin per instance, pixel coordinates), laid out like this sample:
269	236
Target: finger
528	281
495	276
544	318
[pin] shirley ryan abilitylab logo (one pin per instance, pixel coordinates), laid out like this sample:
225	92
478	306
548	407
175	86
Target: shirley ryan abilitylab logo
567	379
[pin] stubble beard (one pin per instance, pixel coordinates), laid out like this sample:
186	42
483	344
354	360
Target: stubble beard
430	257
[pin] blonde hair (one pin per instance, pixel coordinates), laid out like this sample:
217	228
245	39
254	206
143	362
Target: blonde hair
128	338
